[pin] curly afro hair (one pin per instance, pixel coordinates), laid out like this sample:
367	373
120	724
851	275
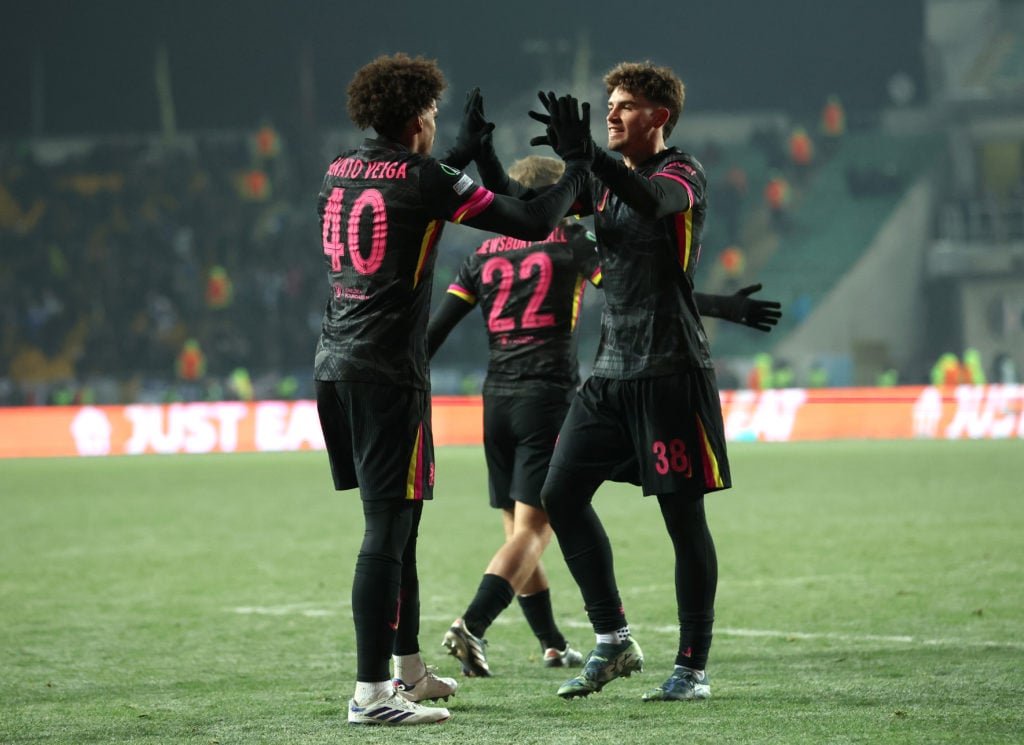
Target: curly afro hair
388	92
657	84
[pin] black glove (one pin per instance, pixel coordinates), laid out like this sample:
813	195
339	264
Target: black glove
548	137
568	127
472	130
758	314
486	151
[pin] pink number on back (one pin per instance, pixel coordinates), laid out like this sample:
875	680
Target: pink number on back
531	318
378	240
333	247
504	268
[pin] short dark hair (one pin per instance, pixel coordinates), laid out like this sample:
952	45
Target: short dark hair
655	83
391	90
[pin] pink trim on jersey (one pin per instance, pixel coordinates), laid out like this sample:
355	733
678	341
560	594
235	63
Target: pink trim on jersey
462	293
597	278
476	204
684	182
709	462
430	237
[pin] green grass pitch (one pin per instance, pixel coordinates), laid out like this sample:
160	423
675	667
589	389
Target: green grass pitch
869	592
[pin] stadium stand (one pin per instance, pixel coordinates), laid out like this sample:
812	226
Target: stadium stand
835	217
106	253
108	248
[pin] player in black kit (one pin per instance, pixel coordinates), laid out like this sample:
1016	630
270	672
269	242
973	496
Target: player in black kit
530	294
650	412
382	207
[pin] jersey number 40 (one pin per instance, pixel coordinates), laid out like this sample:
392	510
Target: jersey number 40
334	248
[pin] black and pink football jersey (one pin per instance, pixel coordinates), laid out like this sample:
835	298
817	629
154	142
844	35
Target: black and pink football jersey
382	209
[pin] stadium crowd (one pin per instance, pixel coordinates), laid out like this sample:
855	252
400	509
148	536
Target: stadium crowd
116	255
140	270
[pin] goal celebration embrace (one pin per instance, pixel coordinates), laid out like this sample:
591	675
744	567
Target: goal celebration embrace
648	414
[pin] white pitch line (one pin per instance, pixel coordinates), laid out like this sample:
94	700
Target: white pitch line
287	609
892	639
318	609
829	636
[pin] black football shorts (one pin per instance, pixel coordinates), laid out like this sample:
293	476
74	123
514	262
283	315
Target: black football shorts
378	438
519	435
665	434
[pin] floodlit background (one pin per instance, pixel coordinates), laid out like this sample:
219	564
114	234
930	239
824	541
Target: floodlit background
160	164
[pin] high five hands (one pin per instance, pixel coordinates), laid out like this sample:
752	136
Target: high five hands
567	127
474	133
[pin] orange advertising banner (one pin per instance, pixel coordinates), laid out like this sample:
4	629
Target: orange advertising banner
904	412
962	412
207	427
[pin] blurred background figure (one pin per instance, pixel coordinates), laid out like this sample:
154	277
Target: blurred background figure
801	155
115	212
777	196
833	125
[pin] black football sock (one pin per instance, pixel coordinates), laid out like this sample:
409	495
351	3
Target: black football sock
492	597
585	546
408	632
377	584
541	617
696	577
375	590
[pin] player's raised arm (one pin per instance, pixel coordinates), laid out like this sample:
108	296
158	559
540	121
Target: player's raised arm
651	197
473	130
535	218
